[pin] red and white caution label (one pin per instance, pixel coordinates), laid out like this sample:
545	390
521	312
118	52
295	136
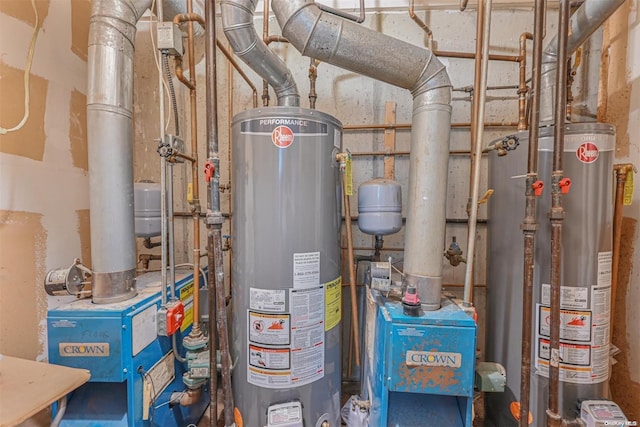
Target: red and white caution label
282	136
587	152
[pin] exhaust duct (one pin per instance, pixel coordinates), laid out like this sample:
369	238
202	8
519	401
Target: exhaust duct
336	41
237	23
584	22
112	31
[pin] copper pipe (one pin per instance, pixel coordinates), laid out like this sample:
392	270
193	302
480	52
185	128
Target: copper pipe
477	75
230	114
265	36
530	225
573	69
267	39
421	24
195	330
352	274
188	17
622	170
180	73
183	156
402	153
556	215
371	248
471	55
235	65
444	285
275	38
407	126
313	76
523	90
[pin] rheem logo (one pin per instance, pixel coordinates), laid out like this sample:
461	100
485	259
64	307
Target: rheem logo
282	136
587	152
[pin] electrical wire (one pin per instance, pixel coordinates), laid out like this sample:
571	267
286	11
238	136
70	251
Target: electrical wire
155	59
27	74
172	92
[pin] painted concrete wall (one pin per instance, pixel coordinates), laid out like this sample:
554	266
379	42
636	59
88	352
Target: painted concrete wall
44	221
620	105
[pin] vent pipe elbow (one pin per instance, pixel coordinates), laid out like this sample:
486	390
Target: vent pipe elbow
584	22
340	42
237	23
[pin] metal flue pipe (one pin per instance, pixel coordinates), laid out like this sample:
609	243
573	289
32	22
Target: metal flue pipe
529	224
345	44
237	22
112	33
584	22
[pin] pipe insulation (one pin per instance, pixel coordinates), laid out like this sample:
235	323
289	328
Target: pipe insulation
584	22
334	40
237	23
112	31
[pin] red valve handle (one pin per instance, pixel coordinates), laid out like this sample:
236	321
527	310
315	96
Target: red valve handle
565	185
209	169
537	187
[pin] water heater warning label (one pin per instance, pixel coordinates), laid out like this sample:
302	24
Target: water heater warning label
269	328
306	269
267	299
584	336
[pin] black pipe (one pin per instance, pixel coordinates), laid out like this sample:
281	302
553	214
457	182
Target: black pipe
556	215
212	141
530	224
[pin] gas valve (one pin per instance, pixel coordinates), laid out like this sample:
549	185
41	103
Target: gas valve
454	253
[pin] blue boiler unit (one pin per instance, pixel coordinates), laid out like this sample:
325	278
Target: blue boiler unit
134	372
419	370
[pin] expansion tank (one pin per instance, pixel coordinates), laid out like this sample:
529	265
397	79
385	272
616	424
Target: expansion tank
586	266
286	267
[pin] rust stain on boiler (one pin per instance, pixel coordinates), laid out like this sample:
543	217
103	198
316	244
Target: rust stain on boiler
427	376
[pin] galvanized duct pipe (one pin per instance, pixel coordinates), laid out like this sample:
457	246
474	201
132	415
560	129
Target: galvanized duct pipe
237	23
112	33
345	44
587	19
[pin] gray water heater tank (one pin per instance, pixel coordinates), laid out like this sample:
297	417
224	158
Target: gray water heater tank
146	199
586	271
380	207
286	283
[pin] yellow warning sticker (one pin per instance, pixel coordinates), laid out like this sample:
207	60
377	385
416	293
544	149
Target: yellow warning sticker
627	197
349	176
333	303
186	296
